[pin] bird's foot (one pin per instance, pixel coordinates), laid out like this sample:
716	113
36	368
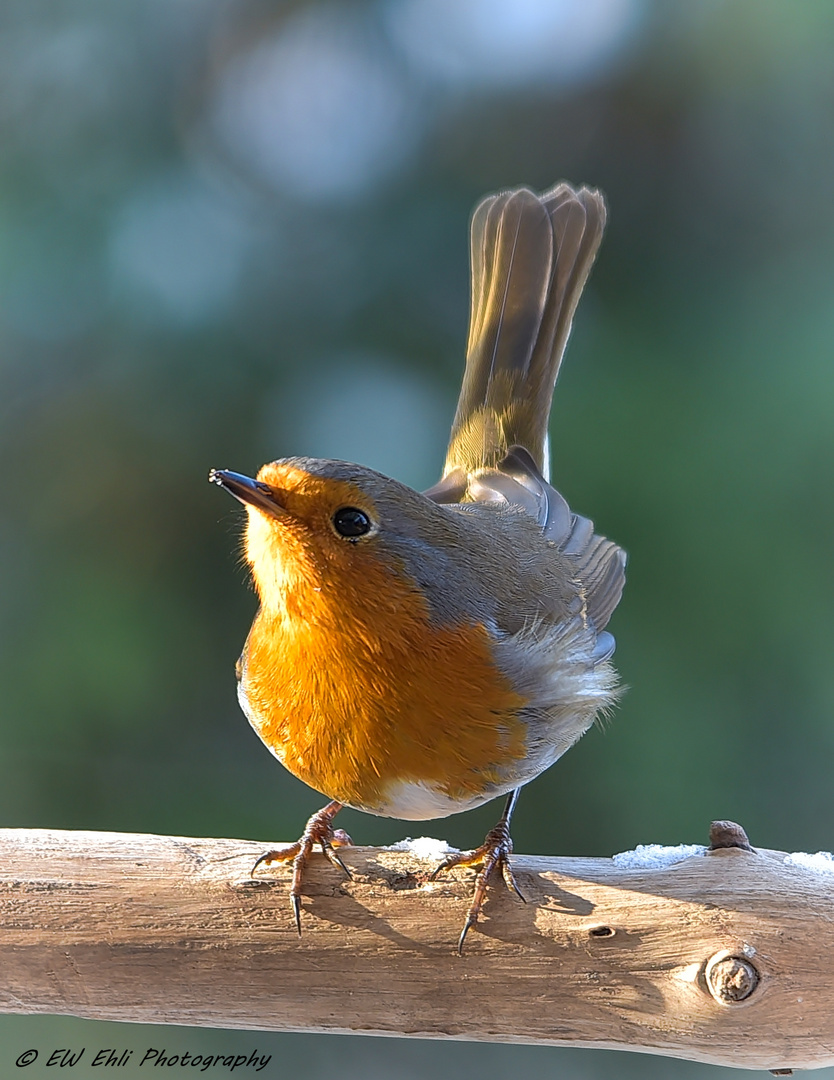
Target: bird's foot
492	855
318	830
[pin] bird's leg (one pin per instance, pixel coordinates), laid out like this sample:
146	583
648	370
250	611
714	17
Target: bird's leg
494	852
318	830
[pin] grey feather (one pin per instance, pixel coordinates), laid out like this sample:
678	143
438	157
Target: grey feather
531	255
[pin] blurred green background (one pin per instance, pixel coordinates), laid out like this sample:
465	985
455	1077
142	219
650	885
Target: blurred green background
232	230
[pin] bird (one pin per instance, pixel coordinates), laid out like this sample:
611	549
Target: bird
418	654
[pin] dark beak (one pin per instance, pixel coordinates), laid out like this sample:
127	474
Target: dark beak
248	491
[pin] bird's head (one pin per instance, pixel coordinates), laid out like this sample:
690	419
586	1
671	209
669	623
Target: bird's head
331	526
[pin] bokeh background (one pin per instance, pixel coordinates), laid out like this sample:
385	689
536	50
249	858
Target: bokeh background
232	230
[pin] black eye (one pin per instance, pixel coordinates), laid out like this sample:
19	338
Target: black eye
351	522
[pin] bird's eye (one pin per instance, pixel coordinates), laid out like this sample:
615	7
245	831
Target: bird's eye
351	523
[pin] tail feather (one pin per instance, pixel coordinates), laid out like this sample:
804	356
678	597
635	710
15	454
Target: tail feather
531	256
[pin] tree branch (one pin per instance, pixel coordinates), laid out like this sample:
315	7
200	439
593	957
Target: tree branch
724	957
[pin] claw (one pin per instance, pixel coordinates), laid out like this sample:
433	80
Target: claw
470	921
283	854
510	881
334	858
318	830
494	852
295	903
447	864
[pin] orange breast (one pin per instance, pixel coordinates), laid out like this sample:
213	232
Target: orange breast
355	691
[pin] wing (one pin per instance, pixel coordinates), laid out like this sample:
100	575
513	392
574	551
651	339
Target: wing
598	564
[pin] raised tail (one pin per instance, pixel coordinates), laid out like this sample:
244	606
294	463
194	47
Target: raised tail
531	255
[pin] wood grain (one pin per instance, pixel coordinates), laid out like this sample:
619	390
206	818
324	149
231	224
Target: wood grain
726	957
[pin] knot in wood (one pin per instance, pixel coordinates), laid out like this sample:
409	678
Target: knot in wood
730	979
727	834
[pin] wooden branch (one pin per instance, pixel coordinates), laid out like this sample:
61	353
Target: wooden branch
726	957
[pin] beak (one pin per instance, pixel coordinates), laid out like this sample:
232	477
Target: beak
248	491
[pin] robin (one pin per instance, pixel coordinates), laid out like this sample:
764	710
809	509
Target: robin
418	654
